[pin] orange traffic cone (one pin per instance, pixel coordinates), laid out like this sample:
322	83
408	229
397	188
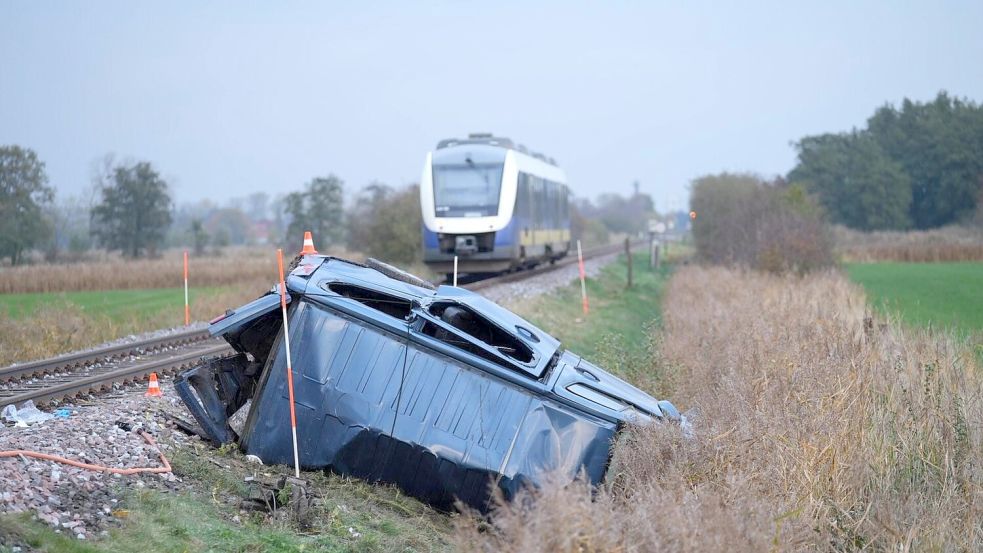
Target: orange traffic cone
153	389
308	245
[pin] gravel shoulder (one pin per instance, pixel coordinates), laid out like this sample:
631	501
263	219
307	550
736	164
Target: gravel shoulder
509	293
78	501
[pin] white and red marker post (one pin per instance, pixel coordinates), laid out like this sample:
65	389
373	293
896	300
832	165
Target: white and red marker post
583	279
290	372
187	307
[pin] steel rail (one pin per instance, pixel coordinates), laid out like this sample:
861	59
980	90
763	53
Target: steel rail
79	359
562	262
42	393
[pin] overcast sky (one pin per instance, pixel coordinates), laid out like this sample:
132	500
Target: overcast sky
229	99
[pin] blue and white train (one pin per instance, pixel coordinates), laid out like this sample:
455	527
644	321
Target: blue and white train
494	205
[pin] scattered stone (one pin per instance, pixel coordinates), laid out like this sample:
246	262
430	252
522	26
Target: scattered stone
76	500
510	293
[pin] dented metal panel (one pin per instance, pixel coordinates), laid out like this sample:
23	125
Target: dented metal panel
438	391
371	404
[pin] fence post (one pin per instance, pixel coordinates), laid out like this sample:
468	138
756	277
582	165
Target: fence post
628	254
187	307
654	254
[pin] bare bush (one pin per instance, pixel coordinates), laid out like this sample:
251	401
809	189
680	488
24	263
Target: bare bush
816	428
743	220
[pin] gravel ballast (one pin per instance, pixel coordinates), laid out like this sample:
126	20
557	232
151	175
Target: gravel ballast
508	293
77	501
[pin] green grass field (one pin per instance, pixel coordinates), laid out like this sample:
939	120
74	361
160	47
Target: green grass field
941	295
117	305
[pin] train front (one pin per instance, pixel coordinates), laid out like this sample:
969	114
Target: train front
467	194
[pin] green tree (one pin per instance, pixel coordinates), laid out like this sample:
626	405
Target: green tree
23	194
319	209
135	210
939	145
920	165
857	184
199	236
386	223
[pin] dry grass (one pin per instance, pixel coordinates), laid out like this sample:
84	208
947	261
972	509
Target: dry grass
952	243
815	430
115	273
61	327
232	266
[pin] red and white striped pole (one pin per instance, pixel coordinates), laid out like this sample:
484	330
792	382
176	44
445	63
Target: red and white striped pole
583	279
187	308
290	372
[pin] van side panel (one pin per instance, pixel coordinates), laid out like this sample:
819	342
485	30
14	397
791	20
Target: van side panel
372	406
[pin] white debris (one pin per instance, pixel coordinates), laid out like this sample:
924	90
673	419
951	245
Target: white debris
26	414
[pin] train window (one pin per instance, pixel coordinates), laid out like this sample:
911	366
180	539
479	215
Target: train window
522	196
468	189
554	207
548	212
534	194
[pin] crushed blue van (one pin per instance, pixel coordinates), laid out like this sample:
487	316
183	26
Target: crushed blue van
435	389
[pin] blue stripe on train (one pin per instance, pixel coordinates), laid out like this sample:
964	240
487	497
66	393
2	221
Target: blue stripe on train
429	238
504	237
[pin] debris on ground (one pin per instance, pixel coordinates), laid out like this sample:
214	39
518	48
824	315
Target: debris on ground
76	501
439	391
25	415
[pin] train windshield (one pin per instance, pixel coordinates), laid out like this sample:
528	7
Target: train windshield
469	189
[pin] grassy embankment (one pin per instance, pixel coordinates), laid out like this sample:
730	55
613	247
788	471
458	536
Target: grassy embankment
615	334
618	332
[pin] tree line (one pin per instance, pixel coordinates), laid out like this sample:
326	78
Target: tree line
130	209
918	166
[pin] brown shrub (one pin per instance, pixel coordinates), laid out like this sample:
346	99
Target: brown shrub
952	243
815	430
746	221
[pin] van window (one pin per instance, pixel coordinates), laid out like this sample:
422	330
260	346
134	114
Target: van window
479	328
393	306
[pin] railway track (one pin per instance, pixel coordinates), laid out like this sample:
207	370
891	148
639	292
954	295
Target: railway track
96	370
75	374
564	262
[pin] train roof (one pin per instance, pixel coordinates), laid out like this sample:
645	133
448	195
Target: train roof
490	139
